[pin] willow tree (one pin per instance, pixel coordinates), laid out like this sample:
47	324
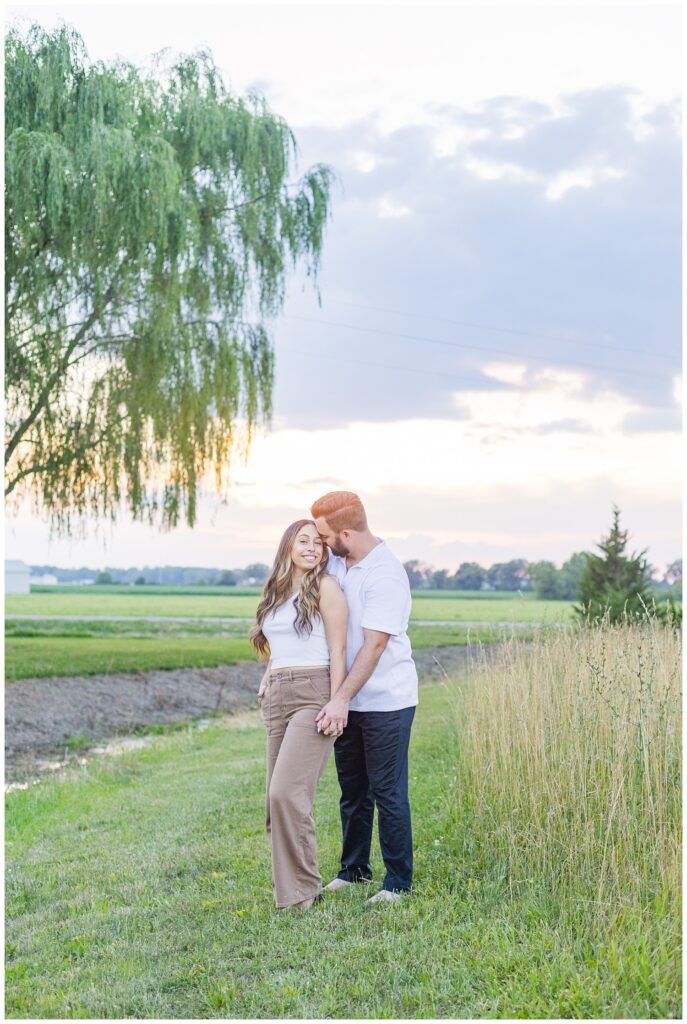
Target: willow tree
151	222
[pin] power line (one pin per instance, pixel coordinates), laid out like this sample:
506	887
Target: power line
395	366
431	373
492	327
476	348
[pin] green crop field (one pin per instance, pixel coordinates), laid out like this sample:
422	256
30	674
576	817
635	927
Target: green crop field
130	601
546	798
54	648
74	656
99	644
222	602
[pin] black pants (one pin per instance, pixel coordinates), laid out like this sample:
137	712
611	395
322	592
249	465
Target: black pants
372	765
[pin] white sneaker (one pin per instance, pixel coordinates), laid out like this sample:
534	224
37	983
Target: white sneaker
384	896
337	883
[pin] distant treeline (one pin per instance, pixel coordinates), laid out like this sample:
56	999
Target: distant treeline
543	578
168	575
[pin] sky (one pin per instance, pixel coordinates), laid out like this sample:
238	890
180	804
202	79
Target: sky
495	357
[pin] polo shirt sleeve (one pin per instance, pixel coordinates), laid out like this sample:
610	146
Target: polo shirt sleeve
335	568
386	605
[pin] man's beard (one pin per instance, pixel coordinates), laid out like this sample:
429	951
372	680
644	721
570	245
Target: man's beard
339	549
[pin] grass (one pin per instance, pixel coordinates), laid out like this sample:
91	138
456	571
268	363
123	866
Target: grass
546	800
149	588
54	648
454	635
27	657
218	602
130	602
117	627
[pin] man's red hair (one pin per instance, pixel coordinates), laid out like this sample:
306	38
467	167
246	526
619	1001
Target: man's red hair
343	510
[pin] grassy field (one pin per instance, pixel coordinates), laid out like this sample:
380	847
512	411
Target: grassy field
546	796
55	648
72	656
219	602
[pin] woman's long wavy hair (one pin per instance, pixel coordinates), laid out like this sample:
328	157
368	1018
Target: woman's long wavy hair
279	587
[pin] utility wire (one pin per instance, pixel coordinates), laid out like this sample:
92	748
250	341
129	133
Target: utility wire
476	348
491	327
395	366
433	373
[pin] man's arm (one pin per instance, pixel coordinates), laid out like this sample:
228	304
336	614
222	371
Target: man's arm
333	717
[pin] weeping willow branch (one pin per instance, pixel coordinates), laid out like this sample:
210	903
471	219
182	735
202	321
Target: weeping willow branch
54	379
151	224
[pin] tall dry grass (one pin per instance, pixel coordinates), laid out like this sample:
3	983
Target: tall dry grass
568	769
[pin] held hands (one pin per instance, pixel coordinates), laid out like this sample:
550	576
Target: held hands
333	717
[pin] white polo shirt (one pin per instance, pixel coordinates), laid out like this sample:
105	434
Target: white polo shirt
378	597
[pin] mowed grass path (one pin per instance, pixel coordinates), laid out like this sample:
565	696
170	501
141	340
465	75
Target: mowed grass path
140	888
221	602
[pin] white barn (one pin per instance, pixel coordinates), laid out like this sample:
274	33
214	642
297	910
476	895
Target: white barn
16	577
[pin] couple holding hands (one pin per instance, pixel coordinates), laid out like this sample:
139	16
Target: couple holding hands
332	621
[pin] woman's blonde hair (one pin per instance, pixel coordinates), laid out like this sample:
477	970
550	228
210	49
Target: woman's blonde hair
279	586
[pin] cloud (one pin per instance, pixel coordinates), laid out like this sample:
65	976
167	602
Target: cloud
499	522
325	481
490	522
392	208
653	421
495	270
586	125
569	426
534	438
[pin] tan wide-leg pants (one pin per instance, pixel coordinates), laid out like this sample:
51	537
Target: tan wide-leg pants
296	757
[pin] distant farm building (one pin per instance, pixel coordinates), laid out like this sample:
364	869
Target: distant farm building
46	579
16	577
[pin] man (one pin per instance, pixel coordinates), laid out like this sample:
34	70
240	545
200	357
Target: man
375	704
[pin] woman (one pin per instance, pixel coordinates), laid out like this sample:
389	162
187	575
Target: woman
300	625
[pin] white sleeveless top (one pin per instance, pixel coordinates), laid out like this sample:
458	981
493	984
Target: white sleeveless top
288	648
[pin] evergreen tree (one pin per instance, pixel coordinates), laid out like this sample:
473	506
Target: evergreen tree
615	584
150	225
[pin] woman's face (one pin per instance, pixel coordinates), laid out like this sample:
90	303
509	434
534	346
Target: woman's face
307	548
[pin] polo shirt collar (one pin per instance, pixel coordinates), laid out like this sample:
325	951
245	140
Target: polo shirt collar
372	556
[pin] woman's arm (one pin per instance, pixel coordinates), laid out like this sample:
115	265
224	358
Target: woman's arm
264	680
334	612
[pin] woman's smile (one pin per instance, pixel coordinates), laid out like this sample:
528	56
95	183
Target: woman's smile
307	549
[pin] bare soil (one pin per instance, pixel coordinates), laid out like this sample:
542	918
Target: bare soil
44	717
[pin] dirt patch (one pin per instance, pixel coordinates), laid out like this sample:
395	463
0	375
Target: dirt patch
45	717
